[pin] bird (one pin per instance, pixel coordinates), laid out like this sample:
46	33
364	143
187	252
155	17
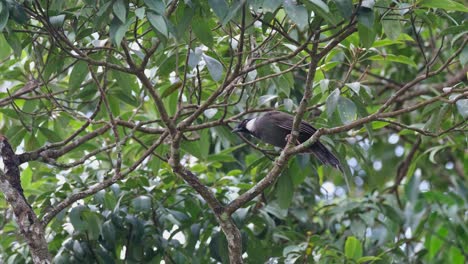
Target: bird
274	127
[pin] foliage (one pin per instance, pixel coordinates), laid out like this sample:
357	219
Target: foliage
89	91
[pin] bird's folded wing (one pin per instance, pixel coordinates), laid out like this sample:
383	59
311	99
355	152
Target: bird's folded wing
304	128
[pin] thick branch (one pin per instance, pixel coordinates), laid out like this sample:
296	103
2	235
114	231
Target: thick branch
30	228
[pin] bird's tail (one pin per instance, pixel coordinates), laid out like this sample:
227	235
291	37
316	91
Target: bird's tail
325	156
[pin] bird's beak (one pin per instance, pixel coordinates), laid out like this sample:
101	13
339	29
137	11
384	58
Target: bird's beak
236	130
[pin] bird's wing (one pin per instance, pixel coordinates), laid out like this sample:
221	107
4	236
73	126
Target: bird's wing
304	128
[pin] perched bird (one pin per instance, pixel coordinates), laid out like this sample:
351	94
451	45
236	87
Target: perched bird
275	127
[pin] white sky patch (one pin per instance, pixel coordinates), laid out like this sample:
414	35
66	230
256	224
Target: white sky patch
393	138
424	186
399	151
449	165
377	165
358	181
352	162
328	189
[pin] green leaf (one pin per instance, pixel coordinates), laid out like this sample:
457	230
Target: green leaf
14	43
156	5
77	76
17	13
232	12
464	56
447	5
454	30
142	203
366	36
52	136
118	29
4	14
26	178
76	217
5	49
456	256
395	58
94	224
284	191
202	30
218	248
345	7
392	25
320	4
158	22
297	13
120	10
353	248
140	12
57	21
214	67
332	101
367	259
462	107
271	5
220	8
346	109
366	17
109	233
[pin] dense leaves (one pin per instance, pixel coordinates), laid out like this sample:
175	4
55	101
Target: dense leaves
90	89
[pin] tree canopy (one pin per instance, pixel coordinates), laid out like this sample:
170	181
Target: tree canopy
116	119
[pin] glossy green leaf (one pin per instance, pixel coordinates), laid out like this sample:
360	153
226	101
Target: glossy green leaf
158	22
395	58
220	8
156	6
332	102
447	5
77	218
142	203
78	75
345	7
353	248
4	15
214	67
297	13
120	10
271	5
392	25
203	32
284	191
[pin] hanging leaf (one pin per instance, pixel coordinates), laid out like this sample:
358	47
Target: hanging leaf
297	13
332	101
345	7
346	110
392	25
447	5
4	14
220	8
120	10
77	75
353	248
156	6
158	22
214	67
284	191
271	5
202	30
57	21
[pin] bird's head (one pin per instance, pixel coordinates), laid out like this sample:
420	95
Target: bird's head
245	126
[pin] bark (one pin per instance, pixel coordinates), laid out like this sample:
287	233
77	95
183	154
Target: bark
29	226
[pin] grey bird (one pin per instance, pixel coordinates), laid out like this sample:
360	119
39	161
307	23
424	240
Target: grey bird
274	128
